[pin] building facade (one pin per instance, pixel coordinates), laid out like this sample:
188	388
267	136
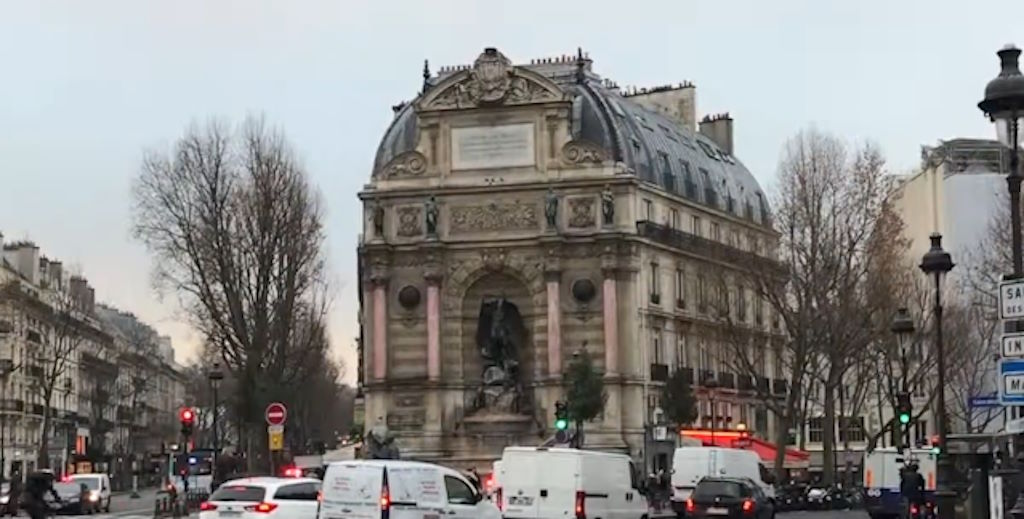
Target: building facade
56	342
520	214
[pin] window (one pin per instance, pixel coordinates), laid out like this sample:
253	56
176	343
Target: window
716	231
703	361
737	240
238	493
921	432
655	295
649	210
816	429
682	352
680	287
675	219
741	303
298	492
702	301
758	309
459	493
851	428
778	368
695	225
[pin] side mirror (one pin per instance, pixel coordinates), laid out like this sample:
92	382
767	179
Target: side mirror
477	497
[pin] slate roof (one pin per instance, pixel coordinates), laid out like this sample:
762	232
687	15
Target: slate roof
658	149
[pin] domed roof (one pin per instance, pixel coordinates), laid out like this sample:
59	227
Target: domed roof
655	148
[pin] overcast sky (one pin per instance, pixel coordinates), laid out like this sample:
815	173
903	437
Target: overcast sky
87	85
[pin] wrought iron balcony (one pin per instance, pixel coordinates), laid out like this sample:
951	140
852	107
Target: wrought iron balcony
780	386
726	380
659	372
685	241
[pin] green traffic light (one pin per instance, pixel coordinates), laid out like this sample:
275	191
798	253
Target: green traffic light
904	419
561	424
936	450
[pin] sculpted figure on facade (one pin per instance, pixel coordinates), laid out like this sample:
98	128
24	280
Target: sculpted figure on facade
499	337
377	217
432	212
608	205
551	209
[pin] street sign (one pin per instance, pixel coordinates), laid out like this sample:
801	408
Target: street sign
977	402
277	441
276	414
1011	382
1011	299
1013	345
275	429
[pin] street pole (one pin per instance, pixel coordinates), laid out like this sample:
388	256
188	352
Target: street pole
1013	181
905	390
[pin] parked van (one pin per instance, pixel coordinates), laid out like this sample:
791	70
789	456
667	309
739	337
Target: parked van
544	483
691	464
393	489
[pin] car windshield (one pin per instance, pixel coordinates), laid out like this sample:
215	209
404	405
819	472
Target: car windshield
66	488
239	493
91	483
718	489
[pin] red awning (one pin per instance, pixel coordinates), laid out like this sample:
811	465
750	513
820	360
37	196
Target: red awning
795	459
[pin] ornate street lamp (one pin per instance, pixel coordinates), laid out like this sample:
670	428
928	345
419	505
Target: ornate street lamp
937	263
215	377
1004	105
711	385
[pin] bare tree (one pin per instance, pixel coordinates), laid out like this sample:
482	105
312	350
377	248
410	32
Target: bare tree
237	232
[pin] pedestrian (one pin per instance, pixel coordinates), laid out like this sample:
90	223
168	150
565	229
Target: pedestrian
14	493
38	485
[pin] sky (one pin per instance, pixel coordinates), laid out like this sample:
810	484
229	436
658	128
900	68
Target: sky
86	86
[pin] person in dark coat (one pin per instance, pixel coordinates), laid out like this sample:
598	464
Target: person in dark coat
14	494
39	484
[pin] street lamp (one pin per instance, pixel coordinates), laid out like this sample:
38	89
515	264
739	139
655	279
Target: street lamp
903	327
937	262
1004	105
711	384
215	377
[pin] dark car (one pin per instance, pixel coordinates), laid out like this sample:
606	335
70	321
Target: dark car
71	502
729	498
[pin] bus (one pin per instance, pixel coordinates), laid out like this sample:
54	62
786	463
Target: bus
196	466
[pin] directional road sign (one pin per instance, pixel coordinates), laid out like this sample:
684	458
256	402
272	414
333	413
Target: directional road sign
1013	345
977	402
1011	299
1011	382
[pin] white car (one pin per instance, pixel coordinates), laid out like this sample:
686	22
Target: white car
393	489
264	497
99	488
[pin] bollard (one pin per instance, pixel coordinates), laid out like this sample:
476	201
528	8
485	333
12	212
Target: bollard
156	508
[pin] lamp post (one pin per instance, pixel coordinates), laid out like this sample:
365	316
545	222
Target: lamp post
1004	105
711	384
215	377
937	262
903	327
6	367
67	427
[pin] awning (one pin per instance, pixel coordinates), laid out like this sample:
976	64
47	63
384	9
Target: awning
794	458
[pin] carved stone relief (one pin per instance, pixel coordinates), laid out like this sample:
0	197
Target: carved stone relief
492	217
492	81
581	212
408	164
408	400
582	152
464	271
410	221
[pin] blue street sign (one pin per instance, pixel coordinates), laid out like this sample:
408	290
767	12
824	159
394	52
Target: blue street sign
1011	382
976	402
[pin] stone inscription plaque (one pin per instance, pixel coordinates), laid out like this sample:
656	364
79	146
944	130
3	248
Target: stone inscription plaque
488	147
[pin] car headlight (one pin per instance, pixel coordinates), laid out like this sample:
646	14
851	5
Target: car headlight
4	500
94	496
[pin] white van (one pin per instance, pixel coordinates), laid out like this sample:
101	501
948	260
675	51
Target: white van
691	464
99	488
392	489
544	483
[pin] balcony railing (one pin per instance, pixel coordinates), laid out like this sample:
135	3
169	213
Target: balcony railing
763	384
780	386
726	380
37	409
681	240
35	371
12	405
706	375
687	374
744	383
659	372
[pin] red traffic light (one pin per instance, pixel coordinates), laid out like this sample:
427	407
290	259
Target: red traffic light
186	415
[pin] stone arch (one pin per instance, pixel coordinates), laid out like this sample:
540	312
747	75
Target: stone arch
507	286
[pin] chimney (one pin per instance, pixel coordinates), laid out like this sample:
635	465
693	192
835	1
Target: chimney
677	102
24	256
57	275
718	128
78	291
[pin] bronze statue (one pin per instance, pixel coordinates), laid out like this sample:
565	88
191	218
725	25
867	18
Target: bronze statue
499	336
608	205
551	208
432	211
380	444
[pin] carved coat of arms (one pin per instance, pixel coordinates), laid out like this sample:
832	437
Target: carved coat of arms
491	77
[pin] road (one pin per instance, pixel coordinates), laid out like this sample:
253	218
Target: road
831	514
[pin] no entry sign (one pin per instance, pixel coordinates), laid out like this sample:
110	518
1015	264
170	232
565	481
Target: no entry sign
276	414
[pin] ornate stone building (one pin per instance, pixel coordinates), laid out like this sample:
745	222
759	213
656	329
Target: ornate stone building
517	214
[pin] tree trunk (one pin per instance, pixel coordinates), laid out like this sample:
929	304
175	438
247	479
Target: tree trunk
781	440
43	459
828	436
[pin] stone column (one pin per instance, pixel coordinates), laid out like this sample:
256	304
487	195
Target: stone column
433	326
380	327
611	323
553	278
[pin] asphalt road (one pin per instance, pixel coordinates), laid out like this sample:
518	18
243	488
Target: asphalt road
830	514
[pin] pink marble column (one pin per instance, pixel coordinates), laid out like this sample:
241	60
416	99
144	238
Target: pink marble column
611	325
554	326
433	329
380	330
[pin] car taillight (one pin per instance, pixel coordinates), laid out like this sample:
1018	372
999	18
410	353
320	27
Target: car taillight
498	499
748	505
581	505
207	506
913	509
385	502
262	508
320	496
690	507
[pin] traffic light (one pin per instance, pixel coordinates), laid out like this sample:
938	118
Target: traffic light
187	417
561	416
936	446
903	408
